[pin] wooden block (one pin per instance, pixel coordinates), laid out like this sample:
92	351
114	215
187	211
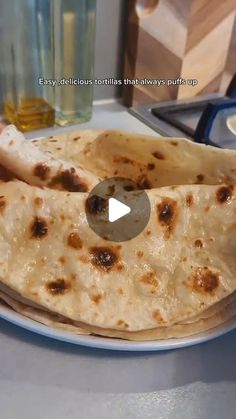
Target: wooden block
172	39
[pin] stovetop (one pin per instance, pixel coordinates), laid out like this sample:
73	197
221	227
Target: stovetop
207	119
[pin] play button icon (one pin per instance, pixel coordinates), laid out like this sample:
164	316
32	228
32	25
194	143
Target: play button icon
117	210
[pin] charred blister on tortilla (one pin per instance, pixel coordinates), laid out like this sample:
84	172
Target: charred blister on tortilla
167	215
156	315
42	171
74	240
5	174
68	180
104	258
124	160
140	253
224	194
143	182
158	155
39	228
198	243
150	166
200	178
189	200
58	287
3	204
96	204
122	324
38	201
96	298
149	283
203	280
62	260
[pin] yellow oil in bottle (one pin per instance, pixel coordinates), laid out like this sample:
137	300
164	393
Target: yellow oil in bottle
30	114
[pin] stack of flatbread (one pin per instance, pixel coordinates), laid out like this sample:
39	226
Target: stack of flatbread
177	278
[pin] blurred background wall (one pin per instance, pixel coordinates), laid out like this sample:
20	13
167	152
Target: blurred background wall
109	46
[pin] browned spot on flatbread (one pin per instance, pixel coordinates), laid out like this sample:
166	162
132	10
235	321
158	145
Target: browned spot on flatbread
129	188
140	253
151	166
122	323
143	182
124	160
167	215
156	315
74	240
5	174
3	204
39	228
104	258
204	281
150	278
189	200
69	180
96	204
76	138
62	260
174	143
200	178
224	194
58	287
198	243
96	298
158	155
84	258
38	201
120	291
41	170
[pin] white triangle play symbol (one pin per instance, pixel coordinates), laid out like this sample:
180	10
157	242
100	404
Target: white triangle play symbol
117	210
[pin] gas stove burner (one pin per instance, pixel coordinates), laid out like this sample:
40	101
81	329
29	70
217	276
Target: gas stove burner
209	119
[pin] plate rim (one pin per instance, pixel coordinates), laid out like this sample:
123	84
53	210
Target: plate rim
107	343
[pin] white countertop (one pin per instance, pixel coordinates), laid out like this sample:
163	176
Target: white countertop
45	379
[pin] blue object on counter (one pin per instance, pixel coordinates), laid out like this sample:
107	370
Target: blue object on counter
231	90
212	128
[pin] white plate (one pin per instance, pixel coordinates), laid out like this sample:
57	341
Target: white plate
8	314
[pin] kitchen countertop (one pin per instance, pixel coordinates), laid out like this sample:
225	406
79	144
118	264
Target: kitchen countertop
45	379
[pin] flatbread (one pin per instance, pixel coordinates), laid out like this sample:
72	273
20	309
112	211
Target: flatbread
49	255
213	317
177	278
40	168
67	146
150	161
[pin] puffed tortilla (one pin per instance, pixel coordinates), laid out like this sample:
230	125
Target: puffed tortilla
150	161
